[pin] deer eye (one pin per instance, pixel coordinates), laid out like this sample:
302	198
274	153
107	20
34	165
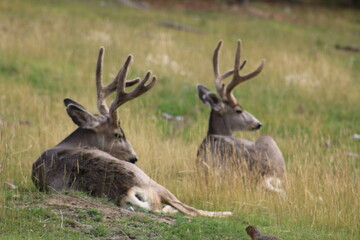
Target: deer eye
238	111
117	135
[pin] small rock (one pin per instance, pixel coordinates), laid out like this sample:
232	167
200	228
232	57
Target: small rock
287	10
327	144
170	117
355	136
351	154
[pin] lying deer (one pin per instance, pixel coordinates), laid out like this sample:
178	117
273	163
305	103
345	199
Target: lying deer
98	159
220	148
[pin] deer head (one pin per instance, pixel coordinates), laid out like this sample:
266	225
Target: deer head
227	115
103	131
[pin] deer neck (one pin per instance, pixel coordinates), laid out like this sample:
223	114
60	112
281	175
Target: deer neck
218	125
80	138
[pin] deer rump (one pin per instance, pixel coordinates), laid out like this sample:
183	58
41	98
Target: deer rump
99	174
262	158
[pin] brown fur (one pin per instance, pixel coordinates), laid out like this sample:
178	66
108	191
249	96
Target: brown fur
220	149
255	234
96	158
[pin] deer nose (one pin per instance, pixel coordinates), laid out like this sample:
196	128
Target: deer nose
258	126
133	160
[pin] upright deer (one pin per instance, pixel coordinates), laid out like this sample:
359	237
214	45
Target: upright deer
220	149
96	158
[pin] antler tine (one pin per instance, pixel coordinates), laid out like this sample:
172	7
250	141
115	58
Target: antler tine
237	78
104	92
122	96
219	85
216	59
103	109
237	58
218	77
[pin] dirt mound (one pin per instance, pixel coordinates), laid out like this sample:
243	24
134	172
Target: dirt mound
99	219
70	203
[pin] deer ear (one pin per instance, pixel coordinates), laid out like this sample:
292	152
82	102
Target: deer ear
81	116
209	98
68	101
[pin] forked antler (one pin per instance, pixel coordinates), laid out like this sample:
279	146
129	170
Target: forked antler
118	84
225	91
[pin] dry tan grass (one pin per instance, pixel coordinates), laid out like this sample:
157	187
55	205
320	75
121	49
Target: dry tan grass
323	185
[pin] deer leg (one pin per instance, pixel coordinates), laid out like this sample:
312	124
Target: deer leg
168	209
168	198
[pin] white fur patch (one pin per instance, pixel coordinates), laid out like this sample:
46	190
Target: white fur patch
274	184
136	197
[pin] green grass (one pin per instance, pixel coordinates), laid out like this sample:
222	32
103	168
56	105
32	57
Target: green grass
307	94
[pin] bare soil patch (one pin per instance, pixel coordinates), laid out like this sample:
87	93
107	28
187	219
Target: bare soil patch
96	218
70	203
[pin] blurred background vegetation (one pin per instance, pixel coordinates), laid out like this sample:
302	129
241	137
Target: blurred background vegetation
327	3
307	98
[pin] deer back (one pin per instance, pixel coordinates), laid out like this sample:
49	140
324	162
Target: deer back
88	170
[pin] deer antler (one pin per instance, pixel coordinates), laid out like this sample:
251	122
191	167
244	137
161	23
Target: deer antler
122	96
225	91
118	84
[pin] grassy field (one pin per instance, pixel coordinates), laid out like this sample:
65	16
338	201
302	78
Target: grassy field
307	98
